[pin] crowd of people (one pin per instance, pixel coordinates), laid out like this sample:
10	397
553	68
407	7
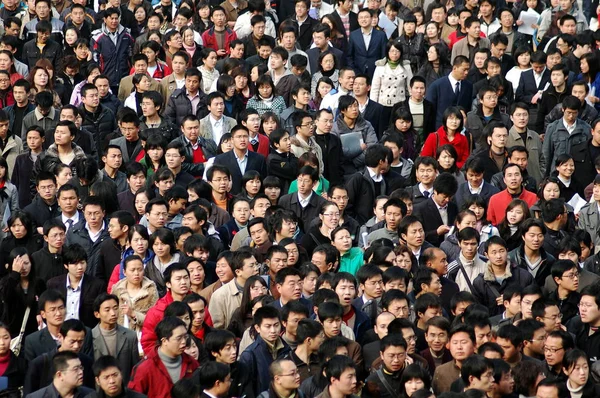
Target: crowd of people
300	198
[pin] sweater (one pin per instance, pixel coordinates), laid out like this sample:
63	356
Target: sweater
173	365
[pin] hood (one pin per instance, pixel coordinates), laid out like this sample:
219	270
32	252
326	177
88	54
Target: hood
488	274
381	62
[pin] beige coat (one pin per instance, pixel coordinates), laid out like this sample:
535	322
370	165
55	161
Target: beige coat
141	304
126	86
223	303
207	292
462	48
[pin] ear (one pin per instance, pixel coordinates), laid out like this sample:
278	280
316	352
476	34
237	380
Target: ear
278	287
45	238
257	328
97	314
556	280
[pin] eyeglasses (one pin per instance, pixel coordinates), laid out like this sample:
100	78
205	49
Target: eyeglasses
572	276
293	374
552	350
585	305
555	317
332	215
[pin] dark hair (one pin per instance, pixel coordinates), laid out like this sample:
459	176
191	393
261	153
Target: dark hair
104	296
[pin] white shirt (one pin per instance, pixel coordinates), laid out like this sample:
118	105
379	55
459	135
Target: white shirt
475	191
180	83
217	128
209	394
242	162
443	212
94	236
73	299
75	219
367	37
362	108
304	201
570	128
453	82
423	189
374	176
538	78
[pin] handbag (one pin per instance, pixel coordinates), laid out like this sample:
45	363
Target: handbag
17	342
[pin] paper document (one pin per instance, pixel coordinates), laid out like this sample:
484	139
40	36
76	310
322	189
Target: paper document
577	202
529	17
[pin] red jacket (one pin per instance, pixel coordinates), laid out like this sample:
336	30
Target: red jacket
162	70
150	377
263	145
499	202
153	317
210	41
440	138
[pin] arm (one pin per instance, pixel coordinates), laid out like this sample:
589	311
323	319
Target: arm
429	145
285	170
542	162
350	55
548	150
376	83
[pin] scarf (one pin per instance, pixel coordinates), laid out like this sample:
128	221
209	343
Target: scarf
393	64
3	193
328	73
191	50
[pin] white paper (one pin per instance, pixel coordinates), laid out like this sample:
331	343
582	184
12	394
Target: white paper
529	17
577	202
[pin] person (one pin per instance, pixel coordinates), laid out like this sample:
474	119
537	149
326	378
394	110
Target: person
166	364
513	180
341	374
477	373
359	56
179	104
285	379
462	346
589	212
469	263
130	143
267	323
455	82
532	83
530	255
67	379
109	379
112	339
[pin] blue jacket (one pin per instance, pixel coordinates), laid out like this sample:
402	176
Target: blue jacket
442	95
257	358
362	59
113	59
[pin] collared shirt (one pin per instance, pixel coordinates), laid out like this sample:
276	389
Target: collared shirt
367	37
475	191
74	219
304	201
73	299
374	176
94	236
443	212
453	82
180	83
242	162
254	140
538	78
194	146
217	128
209	394
363	108
571	128
423	189
39	116
195	100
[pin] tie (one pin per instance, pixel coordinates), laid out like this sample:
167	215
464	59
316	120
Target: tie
69	224
426	194
457	89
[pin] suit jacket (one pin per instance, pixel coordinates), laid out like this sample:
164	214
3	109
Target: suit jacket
416	194
487	190
441	94
90	289
428	212
206	130
362	59
429	115
372	114
338	22
527	87
122	143
255	161
306	214
127	353
462	48
313	57
40	342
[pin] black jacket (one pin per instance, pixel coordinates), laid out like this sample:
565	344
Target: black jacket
15	375
52	52
487	191
331	148
209	148
527	87
428	118
375	387
41	341
79	234
111	101
126	393
489	165
255	162
48	265
40	212
517	257
109	256
584	164
590	344
15	302
100	124
22	179
32	244
284	166
179	106
362	195
90	289
372	114
305	214
569	308
305	32
428	212
549	100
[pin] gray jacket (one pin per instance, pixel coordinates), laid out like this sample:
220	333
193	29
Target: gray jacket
127	353
588	221
558	140
536	164
588	114
354	157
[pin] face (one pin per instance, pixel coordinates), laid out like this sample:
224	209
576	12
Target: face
241	211
440	265
533	238
175	345
73	374
197	274
554	352
426	174
259	234
513	180
497	255
347	381
578	373
319	259
134	272
139	244
436	338
228	354
240	140
414	235
113	158
250	268
278	262
446	160
588	310
566	169
346	292
413	385
393	358
198	312
461	346
179	283
342	241
55	238
109	312
269	329
140	203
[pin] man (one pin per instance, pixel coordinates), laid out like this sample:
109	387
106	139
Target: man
242	25
435	259
346	82
455	83
215	124
49	258
589	212
412	234
530	255
215	381
462	346
113	159
305	204
566	276
520	135
40	46
321	39
370	110
366	45
119	224
422	109
534	337
345	286
267	347
259	143
438	213
91	233
548	388
554	94
166	364
309	338
68	378
586	336
227	299
197	149
174	156
240	159
469	263
340	372
177	280
44	206
130	143
113	339
21	107
513	179
555	217
136	179
303	140
152	106
436	335
188	100
176	80
43	12
44	115
486	113
532	83
587	113
520	156
251	42
473	40
565	133
475	184
282	77
109	379
219	36
140	66
394	210
477	373
97	118
79	289
385	382
112	45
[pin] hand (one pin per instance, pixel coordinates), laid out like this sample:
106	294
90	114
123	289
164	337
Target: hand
500	300
18	264
408	360
221	53
536	98
593	99
443	229
542	137
5	229
363	146
519	22
126	310
40	321
535	26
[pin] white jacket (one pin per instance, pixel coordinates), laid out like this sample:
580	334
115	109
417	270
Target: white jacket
389	86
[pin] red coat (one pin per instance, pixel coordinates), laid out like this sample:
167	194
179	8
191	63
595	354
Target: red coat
210	41
440	138
499	202
263	145
150	377
162	70
153	317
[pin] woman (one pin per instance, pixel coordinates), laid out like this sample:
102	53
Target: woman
58	88
241	319
7	63
14	367
450	246
478	206
71	37
91	72
22	234
523	57
310	159
336	38
551	188
329	68
136	293
6	94
296	255
243	89
233	104
208	68
9	197
19	290
565	167
437	64
324	87
197	273
138	244
162	242
141	199
156	68
225	145
141	84
141	21
414	378
390	81
432	34
193	49
517	211
68	76
402	125
154	158
590	67
577	368
351	258
321	233
251	184
40	80
63	175
449	133
413	45
446	157
269	122
266	98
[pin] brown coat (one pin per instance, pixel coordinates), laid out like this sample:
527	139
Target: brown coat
208	291
126	87
444	376
141	304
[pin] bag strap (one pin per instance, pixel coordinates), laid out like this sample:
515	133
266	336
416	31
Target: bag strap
385	383
464	272
494	290
24	323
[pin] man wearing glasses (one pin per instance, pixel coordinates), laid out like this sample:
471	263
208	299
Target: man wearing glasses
68	379
566	275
